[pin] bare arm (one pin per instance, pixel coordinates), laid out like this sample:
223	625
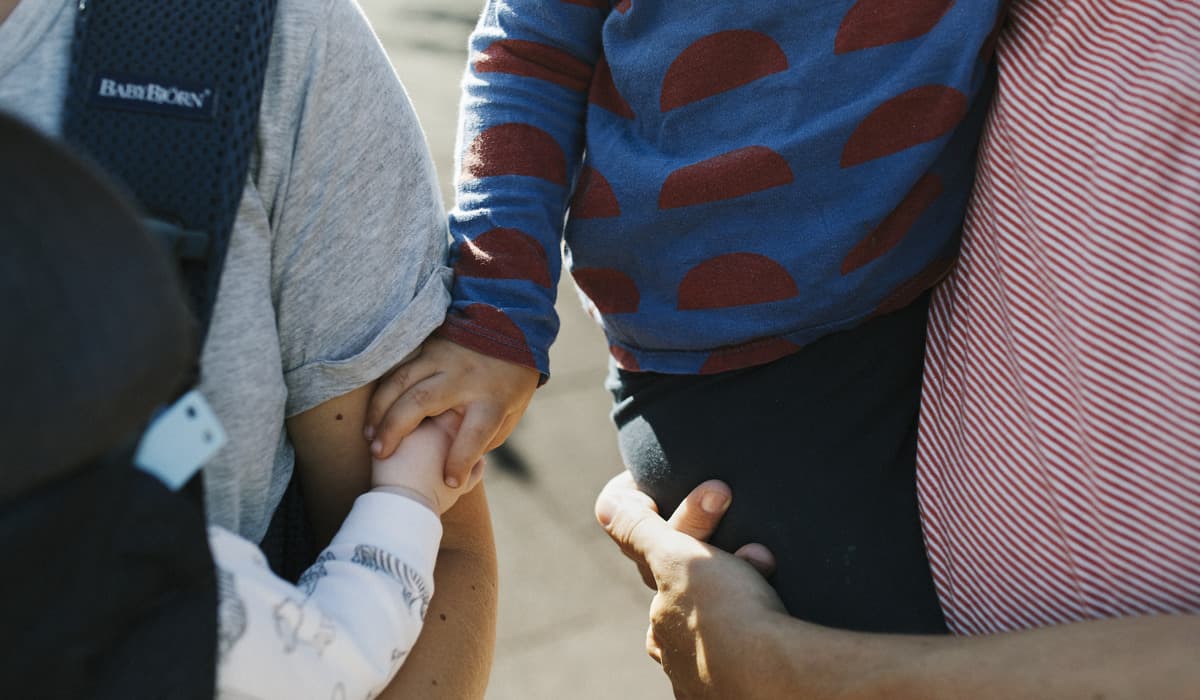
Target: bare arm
334	467
332	461
453	656
719	631
774	655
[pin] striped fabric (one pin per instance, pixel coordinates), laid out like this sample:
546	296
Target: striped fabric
1060	436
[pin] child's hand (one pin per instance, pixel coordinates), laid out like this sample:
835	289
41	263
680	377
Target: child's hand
415	469
490	394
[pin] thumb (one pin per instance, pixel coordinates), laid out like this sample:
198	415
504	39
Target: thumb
701	511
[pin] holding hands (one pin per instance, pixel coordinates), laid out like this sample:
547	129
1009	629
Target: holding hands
415	468
713	613
490	396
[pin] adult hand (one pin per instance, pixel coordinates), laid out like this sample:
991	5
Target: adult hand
720	632
713	612
490	394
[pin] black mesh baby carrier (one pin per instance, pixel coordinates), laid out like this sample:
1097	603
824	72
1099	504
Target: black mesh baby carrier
109	589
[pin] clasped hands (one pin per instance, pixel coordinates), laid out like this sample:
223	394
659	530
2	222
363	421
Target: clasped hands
713	616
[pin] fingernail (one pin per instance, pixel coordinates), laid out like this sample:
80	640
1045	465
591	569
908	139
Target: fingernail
376	447
714	503
452	482
605	509
369	433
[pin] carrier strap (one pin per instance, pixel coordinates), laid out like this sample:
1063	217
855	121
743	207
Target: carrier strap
165	97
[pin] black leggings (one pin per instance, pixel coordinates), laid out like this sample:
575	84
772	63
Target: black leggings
820	450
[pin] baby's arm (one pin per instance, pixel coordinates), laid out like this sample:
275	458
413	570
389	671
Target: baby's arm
344	630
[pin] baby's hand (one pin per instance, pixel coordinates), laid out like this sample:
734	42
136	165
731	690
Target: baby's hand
490	394
415	468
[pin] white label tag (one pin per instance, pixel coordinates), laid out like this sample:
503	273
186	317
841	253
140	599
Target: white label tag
180	441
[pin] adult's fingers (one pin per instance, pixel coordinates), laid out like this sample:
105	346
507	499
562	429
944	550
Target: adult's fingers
480	422
700	513
623	486
390	388
758	556
423	399
652	647
631	519
620	487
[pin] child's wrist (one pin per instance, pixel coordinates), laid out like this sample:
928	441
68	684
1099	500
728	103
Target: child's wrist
410	493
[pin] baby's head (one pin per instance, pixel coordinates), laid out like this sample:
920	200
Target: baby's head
96	331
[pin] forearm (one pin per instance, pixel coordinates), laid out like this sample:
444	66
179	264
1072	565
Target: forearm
523	112
453	656
1135	657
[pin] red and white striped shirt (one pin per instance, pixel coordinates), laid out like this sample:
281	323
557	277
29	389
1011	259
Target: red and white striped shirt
1059	467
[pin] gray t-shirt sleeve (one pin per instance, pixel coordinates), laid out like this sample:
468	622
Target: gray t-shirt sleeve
358	273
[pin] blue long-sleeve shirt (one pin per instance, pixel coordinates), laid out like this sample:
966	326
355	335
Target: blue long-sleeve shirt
728	180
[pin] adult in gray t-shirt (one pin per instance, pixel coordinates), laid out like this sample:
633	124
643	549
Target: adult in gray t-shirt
335	270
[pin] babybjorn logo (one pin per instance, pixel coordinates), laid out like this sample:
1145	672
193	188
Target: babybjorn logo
153	95
153	92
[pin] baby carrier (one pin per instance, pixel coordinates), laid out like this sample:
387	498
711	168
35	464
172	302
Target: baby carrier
110	590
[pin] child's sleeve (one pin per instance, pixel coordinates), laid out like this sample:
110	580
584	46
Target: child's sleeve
520	144
344	630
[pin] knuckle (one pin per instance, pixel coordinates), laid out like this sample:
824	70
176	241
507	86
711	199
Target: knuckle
399	376
420	396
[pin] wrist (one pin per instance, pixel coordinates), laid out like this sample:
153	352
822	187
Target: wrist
823	662
411	494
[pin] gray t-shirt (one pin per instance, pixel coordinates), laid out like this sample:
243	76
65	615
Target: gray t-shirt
335	269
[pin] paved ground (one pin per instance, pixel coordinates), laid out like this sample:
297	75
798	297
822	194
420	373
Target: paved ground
572	610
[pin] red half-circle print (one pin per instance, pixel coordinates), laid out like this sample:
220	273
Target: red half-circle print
625	360
504	253
719	62
730	175
623	6
611	291
758	352
914	117
735	279
533	60
907	291
604	91
896	226
594	197
872	23
489	330
516	149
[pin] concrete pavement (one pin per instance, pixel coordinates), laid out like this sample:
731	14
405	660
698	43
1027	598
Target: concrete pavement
572	615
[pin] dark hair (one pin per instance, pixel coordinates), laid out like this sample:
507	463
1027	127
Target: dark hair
94	331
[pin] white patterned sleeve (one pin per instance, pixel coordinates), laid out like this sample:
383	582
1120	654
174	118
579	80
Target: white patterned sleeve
344	630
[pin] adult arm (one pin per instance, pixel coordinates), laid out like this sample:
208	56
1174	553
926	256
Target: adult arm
453	656
332	461
719	630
